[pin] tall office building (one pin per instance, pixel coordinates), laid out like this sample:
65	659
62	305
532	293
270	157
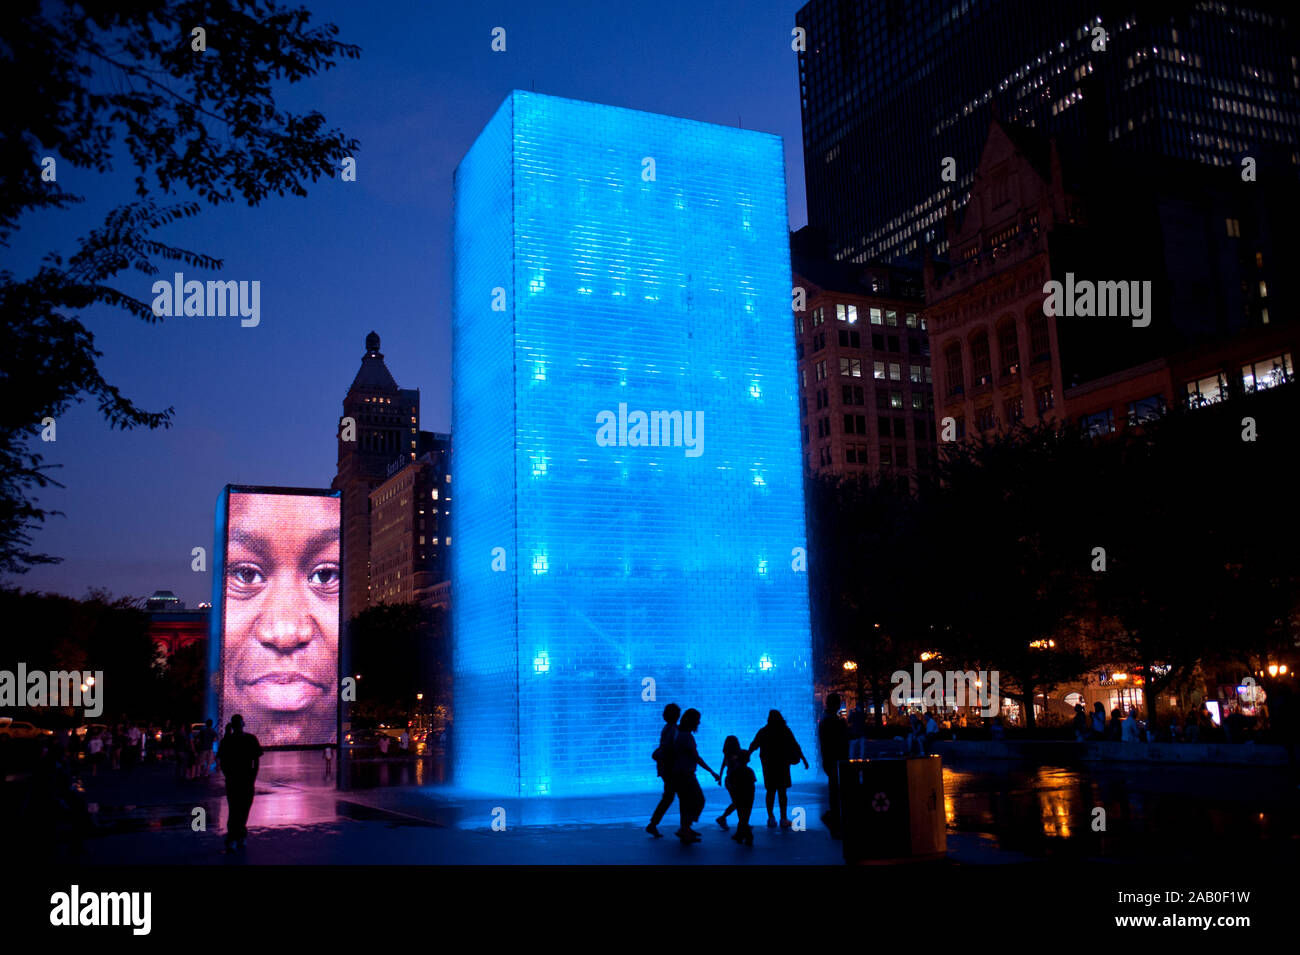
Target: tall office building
865	401
629	524
1216	296
891	88
386	422
410	526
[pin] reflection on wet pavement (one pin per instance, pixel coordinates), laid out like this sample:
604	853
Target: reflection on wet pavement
996	812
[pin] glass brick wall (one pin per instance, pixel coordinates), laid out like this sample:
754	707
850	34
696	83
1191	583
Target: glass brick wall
642	467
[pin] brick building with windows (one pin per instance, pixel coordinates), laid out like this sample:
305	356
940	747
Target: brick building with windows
1203	251
865	397
410	526
387	421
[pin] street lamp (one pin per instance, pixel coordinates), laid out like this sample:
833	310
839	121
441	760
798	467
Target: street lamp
851	666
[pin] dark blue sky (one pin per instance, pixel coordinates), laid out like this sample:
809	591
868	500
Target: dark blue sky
261	405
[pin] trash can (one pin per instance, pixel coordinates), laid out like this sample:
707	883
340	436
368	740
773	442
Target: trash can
891	810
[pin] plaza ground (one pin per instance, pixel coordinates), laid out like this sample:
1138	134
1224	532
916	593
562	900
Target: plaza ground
998	813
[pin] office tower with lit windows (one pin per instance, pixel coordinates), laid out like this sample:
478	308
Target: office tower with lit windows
629	520
890	88
385	423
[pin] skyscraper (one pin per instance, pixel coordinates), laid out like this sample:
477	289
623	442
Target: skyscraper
410	525
386	422
890	89
629	525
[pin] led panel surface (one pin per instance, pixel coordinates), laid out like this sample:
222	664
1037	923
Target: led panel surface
275	619
630	517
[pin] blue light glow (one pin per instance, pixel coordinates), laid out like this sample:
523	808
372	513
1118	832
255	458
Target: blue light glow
626	433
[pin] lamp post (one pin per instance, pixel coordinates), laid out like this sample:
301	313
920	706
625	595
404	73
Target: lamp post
851	666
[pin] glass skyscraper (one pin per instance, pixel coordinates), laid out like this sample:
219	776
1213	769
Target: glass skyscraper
629	528
890	88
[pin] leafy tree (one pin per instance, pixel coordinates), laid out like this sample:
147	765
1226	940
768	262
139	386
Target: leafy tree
1200	565
398	649
867	580
87	84
1009	548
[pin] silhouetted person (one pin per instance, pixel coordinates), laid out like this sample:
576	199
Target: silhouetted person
1098	721
690	798
833	740
207	740
664	757
740	787
1079	723
778	750
240	755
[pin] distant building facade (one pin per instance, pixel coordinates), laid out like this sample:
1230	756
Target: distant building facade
894	97
1195	259
171	625
386	422
410	526
866	404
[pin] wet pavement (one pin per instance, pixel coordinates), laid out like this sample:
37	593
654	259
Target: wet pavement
402	813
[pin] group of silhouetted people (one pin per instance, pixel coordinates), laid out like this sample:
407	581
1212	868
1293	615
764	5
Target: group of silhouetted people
677	757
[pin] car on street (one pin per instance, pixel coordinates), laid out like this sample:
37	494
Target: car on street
17	729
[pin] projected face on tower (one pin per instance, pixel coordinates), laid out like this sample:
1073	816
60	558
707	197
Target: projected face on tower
281	600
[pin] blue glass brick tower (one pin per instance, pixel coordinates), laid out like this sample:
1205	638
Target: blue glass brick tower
629	492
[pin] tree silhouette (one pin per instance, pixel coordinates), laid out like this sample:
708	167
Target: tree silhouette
85	82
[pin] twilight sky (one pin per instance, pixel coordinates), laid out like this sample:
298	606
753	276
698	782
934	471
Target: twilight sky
261	405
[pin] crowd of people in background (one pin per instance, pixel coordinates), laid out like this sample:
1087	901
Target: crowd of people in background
128	744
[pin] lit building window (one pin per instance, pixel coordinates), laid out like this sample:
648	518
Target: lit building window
1269	373
1206	391
1145	409
1102	422
1044	399
875	316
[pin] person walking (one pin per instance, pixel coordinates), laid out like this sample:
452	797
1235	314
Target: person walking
1131	732
690	798
1116	728
1079	723
740	787
94	751
833	741
240	757
183	751
329	761
207	739
664	756
778	750
857	733
1098	720
916	741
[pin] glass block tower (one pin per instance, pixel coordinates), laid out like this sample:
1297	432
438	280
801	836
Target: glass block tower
630	518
